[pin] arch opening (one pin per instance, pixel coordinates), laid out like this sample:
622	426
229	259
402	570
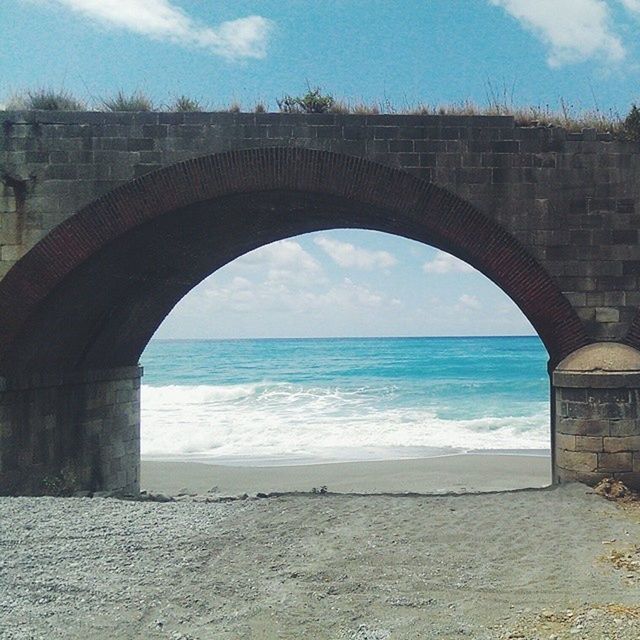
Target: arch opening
299	394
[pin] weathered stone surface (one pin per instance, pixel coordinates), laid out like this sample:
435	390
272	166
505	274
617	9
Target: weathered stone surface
588	443
612	430
577	460
628	443
615	462
564	441
586	477
583	427
624	427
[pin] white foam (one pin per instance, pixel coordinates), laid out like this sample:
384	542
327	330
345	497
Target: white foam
266	420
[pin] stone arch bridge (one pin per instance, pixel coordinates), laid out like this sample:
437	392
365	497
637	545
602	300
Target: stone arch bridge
108	219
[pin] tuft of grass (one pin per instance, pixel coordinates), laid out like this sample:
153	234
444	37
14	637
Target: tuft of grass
340	106
45	100
499	101
364	109
136	101
185	104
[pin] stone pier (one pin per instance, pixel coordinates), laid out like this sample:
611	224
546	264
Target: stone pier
597	425
60	433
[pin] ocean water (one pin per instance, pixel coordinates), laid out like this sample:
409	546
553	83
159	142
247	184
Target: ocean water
296	401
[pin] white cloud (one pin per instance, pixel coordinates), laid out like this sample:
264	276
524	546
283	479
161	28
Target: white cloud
346	294
347	255
446	263
466	301
161	20
284	278
244	296
631	5
573	30
285	262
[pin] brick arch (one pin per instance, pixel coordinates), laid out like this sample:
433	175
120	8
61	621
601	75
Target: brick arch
92	292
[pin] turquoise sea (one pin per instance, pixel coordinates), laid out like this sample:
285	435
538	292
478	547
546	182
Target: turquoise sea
283	401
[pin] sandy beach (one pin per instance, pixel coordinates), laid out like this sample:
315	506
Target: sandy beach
527	564
455	473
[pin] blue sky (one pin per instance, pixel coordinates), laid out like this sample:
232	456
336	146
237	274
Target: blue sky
584	52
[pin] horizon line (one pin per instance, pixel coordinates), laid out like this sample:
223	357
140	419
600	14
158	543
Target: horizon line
388	337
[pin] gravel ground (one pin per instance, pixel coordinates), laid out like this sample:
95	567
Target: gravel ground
545	564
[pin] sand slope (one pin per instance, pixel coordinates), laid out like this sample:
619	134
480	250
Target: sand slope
317	566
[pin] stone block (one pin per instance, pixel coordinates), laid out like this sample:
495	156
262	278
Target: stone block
564	441
577	410
612	462
588	443
10	252
607	314
124	395
582	461
586	477
608	395
619	444
612	410
583	427
573	395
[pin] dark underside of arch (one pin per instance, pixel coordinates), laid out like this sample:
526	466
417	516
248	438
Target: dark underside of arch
93	292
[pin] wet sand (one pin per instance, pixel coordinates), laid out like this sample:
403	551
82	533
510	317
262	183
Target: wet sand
455	473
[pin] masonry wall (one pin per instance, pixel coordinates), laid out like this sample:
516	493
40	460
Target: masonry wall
61	433
597	427
571	199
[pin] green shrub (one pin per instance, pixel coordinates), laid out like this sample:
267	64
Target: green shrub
184	103
137	101
311	102
314	102
234	107
260	107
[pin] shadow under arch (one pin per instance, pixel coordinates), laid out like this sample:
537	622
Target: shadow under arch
91	294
